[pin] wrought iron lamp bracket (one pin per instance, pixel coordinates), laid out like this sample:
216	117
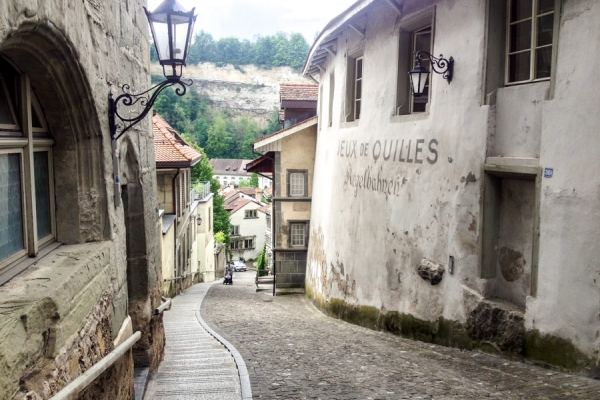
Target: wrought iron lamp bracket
440	65
145	99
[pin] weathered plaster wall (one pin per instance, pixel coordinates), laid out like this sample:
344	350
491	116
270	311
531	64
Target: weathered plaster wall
390	191
395	190
568	300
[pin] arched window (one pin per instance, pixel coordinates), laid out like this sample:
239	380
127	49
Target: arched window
27	219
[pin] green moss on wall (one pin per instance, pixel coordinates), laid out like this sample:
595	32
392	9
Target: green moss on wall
555	351
546	349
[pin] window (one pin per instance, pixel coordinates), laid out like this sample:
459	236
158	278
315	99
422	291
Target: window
268	217
251	214
416	34
235	230
331	93
26	172
529	40
354	86
421	40
299	234
297	183
249	243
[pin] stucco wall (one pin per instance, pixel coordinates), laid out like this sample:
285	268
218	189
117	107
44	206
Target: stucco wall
390	191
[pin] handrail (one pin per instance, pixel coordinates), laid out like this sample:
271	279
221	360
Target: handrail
164	306
92	373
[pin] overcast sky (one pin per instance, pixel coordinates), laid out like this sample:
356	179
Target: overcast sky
245	19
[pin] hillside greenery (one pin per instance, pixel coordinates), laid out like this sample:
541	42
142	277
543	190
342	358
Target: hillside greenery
218	133
276	50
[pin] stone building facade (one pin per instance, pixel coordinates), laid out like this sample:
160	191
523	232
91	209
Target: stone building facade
289	155
80	265
467	216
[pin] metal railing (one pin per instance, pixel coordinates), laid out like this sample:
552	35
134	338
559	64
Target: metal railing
83	381
201	190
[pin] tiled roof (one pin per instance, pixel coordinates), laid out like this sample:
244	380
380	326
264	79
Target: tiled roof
169	147
228	166
298	92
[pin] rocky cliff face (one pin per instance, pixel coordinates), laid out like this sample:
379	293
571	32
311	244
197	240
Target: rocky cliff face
246	91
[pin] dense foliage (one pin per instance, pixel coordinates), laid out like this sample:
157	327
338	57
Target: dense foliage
203	172
217	132
268	51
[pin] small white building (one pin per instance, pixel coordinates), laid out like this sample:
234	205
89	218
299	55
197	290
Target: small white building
248	220
231	171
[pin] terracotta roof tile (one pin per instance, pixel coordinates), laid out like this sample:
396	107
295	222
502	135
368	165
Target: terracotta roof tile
169	147
298	92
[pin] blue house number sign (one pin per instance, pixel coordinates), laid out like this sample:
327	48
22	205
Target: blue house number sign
548	172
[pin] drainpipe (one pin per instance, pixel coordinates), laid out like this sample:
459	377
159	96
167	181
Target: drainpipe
274	222
173	186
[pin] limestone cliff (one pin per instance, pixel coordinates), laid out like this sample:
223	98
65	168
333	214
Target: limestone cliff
247	90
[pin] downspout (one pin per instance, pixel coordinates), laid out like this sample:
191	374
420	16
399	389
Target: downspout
274	222
175	227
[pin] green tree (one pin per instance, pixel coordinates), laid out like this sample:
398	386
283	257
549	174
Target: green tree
218	140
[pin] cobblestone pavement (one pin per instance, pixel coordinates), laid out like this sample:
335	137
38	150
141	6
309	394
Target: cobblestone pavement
293	351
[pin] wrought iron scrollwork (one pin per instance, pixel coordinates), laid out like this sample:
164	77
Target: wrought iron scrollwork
439	64
145	99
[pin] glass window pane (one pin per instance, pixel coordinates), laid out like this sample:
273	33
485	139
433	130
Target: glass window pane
520	36
520	9
545	30
543	63
42	194
545	6
359	71
357	116
297	184
11	212
518	67
358	89
6	116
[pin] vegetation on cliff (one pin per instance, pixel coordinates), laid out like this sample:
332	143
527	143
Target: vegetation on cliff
276	50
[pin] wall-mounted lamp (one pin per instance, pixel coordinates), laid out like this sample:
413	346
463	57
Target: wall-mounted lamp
199	220
171	26
418	75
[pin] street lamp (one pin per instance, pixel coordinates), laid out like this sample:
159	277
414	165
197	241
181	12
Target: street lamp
171	26
199	220
419	74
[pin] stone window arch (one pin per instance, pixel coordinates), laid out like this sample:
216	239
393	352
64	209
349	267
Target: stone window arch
51	142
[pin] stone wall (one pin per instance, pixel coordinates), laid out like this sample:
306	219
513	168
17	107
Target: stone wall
58	317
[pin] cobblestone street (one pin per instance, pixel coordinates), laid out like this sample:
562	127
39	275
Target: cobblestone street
293	351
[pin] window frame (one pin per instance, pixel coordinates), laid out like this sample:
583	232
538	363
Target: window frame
27	140
533	47
406	60
304	173
251	214
351	85
305	227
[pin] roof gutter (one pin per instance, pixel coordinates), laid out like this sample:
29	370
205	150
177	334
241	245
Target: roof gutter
332	30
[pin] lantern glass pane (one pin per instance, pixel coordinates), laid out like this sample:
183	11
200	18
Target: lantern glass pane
160	32
180	35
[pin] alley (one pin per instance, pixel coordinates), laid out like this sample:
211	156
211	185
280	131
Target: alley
293	351
196	365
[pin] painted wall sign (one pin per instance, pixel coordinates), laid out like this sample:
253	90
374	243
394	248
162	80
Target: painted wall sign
410	151
548	172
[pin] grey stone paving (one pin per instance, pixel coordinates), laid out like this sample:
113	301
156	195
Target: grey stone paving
196	366
293	351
